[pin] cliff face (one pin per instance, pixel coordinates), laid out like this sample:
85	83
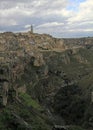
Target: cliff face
34	69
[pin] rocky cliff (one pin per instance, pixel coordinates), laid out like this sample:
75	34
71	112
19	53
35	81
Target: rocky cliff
34	68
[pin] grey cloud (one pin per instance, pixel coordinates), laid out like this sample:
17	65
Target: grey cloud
16	14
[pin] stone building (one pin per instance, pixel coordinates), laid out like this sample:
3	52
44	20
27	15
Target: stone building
31	28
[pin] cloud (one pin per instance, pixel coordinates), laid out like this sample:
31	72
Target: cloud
27	26
50	24
84	12
61	18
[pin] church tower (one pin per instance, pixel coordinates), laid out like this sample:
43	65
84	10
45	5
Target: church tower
31	29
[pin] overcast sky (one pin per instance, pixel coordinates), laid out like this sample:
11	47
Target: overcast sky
60	18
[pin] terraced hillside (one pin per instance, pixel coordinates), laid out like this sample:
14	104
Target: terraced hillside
45	81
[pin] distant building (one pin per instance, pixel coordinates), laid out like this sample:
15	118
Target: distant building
32	42
31	29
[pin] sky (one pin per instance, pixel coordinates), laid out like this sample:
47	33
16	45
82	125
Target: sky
60	18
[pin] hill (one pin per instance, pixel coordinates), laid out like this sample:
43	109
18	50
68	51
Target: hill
45	81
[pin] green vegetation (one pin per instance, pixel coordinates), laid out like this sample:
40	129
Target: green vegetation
29	102
14	117
70	104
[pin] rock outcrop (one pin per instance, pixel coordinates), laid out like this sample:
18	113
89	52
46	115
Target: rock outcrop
35	67
19	49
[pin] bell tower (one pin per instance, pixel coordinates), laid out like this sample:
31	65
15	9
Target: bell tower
31	28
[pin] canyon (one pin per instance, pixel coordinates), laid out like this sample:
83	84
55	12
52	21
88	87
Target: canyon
45	81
